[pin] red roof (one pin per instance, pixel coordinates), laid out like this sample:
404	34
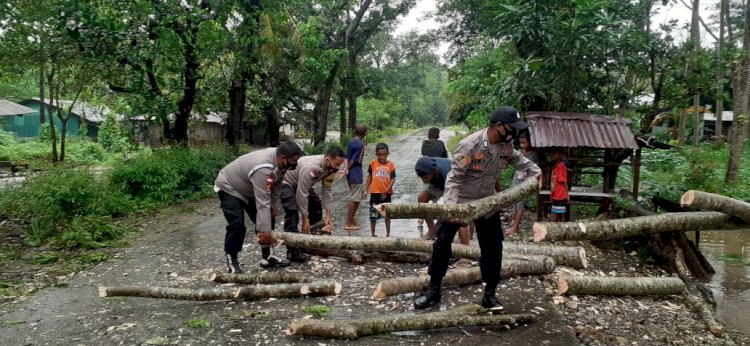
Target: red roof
578	130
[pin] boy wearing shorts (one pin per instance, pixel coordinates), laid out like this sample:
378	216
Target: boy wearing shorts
380	179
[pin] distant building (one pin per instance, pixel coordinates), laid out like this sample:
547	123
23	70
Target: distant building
709	122
27	125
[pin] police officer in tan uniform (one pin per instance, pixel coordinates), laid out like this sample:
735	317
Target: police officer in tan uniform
298	198
477	163
250	184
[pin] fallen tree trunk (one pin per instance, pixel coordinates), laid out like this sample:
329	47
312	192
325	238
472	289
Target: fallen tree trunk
260	278
467	276
663	245
352	329
698	305
714	202
464	212
318	288
618	286
359	256
564	255
630	227
569	256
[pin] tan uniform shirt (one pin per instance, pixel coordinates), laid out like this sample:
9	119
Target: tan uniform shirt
254	175
309	171
476	166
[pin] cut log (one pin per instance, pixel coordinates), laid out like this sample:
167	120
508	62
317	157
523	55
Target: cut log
467	276
352	329
169	292
711	201
698	305
618	286
318	288
359	257
260	278
312	289
630	227
569	256
564	255
464	212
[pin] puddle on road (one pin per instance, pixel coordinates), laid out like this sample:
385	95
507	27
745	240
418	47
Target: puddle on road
729	253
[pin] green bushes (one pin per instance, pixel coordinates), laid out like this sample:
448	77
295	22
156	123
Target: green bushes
72	208
171	175
67	207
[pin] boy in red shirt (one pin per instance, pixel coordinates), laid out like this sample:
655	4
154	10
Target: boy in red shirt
559	187
380	179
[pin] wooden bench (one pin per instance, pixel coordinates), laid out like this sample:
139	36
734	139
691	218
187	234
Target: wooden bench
14	166
577	196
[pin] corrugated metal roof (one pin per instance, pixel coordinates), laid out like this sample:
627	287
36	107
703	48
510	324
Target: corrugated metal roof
12	108
578	130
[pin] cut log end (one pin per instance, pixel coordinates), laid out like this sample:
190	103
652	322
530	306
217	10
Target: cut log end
102	291
584	261
381	208
540	232
213	277
378	294
305	290
294	328
562	284
337	288
687	198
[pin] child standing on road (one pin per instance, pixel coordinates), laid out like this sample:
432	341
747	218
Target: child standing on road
559	187
380	179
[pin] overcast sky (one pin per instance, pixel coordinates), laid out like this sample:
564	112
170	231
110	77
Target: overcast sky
415	19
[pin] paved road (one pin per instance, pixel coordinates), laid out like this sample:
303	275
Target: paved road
181	253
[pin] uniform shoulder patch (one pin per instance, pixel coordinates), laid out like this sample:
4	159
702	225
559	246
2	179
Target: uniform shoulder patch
464	160
269	181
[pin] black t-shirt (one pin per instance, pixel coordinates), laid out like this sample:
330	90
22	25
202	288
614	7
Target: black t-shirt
434	148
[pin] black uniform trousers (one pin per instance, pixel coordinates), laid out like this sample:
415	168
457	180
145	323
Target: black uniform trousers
490	236
288	197
234	211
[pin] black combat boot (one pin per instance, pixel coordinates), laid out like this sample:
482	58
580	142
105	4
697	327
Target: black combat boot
269	260
296	255
233	264
428	298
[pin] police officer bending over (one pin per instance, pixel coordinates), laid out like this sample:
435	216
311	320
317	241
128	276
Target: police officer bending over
477	162
250	184
298	198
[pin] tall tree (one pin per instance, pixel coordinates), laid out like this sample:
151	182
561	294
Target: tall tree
696	40
741	100
720	69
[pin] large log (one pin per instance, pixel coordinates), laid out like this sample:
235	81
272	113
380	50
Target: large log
618	286
466	276
314	289
273	277
352	329
633	226
711	201
464	212
361	256
564	255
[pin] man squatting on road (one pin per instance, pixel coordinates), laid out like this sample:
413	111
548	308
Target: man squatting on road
299	200
477	162
250	184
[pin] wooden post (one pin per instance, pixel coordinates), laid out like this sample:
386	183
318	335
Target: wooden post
636	163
